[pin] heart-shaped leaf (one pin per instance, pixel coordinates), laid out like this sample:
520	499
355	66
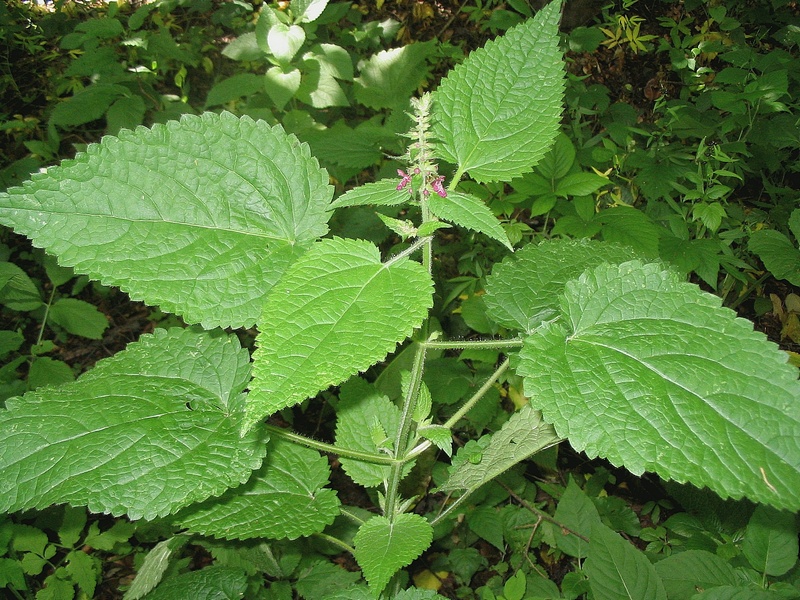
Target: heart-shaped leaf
383	547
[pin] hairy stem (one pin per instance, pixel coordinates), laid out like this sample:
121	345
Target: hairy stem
404	432
335	541
367	457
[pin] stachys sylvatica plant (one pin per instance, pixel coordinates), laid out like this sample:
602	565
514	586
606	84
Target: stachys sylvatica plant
223	221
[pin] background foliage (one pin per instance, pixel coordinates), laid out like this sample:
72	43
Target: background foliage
680	141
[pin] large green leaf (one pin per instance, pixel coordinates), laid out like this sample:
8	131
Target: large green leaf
388	78
200	216
521	436
651	372
337	311
498	112
523	290
780	256
578	514
365	420
469	212
286	498
618	571
770	544
145	433
382	547
212	583
686	572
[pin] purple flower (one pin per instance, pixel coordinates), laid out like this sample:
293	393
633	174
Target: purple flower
437	186
405	181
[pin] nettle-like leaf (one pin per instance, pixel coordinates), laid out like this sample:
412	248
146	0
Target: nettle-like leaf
285	499
337	311
382	547
153	429
377	193
469	212
650	372
523	291
521	436
200	216
361	410
498	112
217	582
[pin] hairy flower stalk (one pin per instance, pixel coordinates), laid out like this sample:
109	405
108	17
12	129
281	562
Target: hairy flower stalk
419	155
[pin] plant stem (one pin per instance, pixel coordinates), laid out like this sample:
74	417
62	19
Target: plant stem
368	457
335	541
404	431
475	344
467	406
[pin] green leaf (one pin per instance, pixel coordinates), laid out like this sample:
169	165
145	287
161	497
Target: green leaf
185	215
79	318
382	547
285	499
83	570
281	86
333	60
155	565
710	214
650	372
217	583
325	578
233	88
89	104
469	212
362	407
522	291
498	112
10	341
285	40
17	290
244	47
617	570
318	87
439	436
580	184
730	592
327	320
307	11
388	78
11	573
378	193
514	588
486	523
780	256
686	572
794	223
345	146
119	533
770	541
630	227
146	432
521	436
126	113
576	511
555	164
72	524
48	371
